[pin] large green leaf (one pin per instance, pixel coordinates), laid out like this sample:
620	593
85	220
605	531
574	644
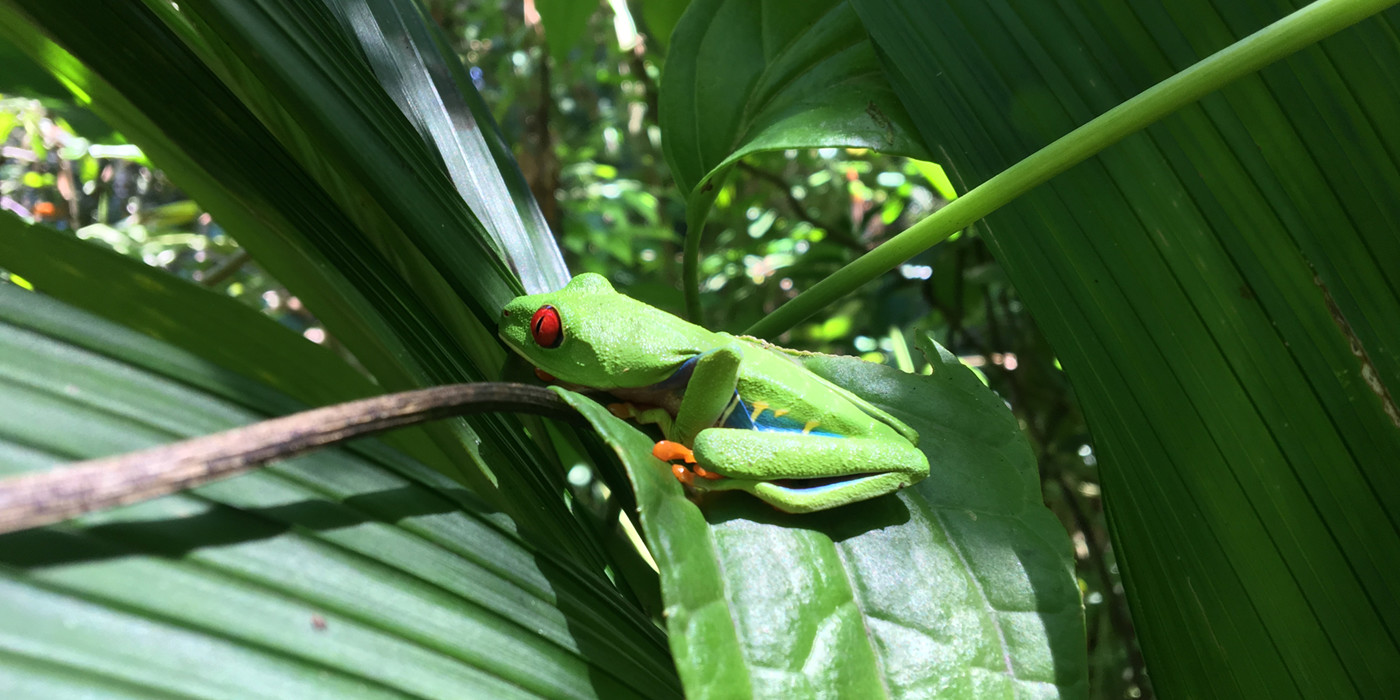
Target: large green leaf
1222	291
235	173
353	572
961	585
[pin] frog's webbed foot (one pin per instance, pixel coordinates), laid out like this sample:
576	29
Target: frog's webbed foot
668	451
687	470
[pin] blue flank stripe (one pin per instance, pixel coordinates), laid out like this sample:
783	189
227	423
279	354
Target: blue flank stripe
740	416
817	490
739	411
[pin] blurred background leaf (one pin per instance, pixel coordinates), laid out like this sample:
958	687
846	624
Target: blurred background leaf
564	22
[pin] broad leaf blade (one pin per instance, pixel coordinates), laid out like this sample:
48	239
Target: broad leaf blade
706	644
228	344
219	329
1205	284
961	585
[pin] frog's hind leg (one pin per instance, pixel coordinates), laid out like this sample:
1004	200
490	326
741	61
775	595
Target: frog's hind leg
801	473
807	499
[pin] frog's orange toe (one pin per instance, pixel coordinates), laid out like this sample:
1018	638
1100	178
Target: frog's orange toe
705	473
682	474
668	451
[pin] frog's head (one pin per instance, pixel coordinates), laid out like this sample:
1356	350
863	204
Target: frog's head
590	335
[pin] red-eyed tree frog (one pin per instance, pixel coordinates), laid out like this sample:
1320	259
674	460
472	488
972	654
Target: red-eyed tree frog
736	412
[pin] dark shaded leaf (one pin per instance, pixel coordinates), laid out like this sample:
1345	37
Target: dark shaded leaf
311	166
345	573
1221	290
228	343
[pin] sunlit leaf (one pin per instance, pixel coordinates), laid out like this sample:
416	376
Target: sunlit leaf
961	585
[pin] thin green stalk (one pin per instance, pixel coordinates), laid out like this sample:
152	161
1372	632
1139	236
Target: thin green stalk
1300	29
690	262
696	211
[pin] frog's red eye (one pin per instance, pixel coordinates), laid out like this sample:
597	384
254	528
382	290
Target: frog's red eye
545	327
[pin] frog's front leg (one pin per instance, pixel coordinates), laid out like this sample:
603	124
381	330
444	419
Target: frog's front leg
709	394
801	473
650	415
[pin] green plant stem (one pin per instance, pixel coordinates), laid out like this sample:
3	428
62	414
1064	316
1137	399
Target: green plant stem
1296	31
690	261
697	209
